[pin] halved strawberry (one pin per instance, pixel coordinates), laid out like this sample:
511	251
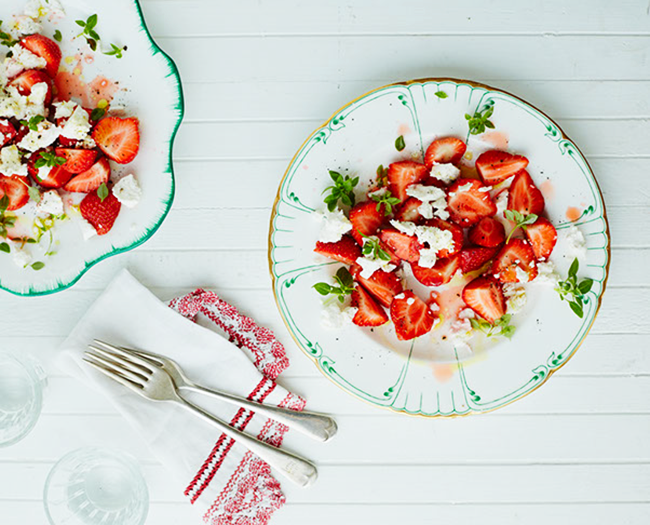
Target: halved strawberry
456	233
411	316
7	132
366	220
27	79
495	166
408	211
441	272
404	246
77	160
469	201
101	214
445	150
485	296
516	254
474	257
118	138
346	250
383	286
487	232
524	196
403	174
369	313
45	48
91	179
55	178
15	188
542	236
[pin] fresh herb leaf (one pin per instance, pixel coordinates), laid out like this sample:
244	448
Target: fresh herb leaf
372	248
500	328
6	221
34	194
574	292
382	176
48	159
116	51
441	94
4	203
33	122
97	113
399	143
4	247
344	285
6	39
102	192
521	221
387	200
343	190
38	265
480	120
57	36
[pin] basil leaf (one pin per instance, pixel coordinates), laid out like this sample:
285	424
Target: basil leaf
4	247
399	143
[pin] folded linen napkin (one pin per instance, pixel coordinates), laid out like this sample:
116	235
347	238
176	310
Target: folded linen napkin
226	482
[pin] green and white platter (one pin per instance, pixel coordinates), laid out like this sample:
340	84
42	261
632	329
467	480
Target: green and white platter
416	377
150	89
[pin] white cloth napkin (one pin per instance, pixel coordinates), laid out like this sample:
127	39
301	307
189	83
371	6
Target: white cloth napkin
225	482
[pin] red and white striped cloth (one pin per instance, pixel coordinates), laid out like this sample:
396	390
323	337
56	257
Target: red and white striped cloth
218	347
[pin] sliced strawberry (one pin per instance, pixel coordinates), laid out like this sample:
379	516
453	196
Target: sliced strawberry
524	196
27	79
516	254
408	212
15	189
45	48
56	178
495	166
445	150
383	286
456	233
474	257
441	273
411	316
7	132
542	236
91	179
101	214
346	250
485	296
404	246
403	174
487	232
118	138
369	313
77	160
469	201
366	220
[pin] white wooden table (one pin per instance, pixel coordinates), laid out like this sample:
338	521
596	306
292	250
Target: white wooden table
259	76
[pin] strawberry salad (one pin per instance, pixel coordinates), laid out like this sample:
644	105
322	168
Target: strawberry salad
56	156
440	247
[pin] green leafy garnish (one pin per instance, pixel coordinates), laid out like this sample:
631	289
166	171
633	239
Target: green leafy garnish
441	94
343	190
49	159
501	327
89	32
521	221
57	36
372	248
382	176
115	51
480	120
387	200
4	247
38	265
573	291
102	192
6	221
6	39
33	192
344	285
399	143
97	113
33	122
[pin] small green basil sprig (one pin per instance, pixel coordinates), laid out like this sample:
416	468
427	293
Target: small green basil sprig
573	291
480	120
344	285
387	200
372	248
501	327
521	221
342	189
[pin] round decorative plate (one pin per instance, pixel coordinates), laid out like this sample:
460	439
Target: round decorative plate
145	84
418	377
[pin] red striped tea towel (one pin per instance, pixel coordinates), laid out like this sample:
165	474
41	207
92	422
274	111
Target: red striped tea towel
218	347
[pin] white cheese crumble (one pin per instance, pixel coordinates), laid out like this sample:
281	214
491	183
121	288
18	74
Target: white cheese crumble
40	8
87	229
21	257
515	297
546	274
378	193
44	135
370	266
335	224
467	313
335	316
431	197
22	25
502	202
576	241
22	59
13	104
445	172
461	189
10	162
50	203
64	109
77	126
128	191
522	276
434	240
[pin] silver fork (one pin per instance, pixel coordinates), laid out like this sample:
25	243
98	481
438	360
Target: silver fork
316	426
153	383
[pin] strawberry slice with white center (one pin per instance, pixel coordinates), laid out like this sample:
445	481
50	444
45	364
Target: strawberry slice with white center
118	138
90	179
441	273
77	160
366	220
542	236
405	247
15	189
495	166
45	48
488	232
515	263
369	313
484	295
456	234
408	211
444	151
28	79
383	286
468	201
7	132
402	174
524	196
411	316
346	250
474	257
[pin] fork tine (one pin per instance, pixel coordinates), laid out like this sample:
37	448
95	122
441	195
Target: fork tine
115	367
147	355
133	367
114	376
127	355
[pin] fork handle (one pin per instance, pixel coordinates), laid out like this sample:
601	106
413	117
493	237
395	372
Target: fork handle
294	468
316	426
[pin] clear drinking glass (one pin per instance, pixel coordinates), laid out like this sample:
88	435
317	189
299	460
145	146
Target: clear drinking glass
94	486
21	396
